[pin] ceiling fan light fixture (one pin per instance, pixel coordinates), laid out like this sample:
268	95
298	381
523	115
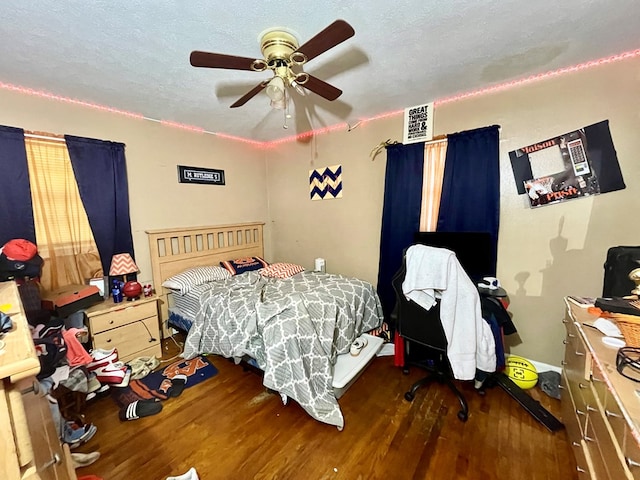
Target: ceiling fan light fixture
279	104
275	90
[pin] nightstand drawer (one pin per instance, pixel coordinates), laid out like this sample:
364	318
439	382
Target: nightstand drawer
123	316
131	338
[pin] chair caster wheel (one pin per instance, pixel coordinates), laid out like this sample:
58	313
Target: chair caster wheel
462	416
409	396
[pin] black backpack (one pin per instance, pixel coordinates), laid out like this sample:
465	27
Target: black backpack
620	261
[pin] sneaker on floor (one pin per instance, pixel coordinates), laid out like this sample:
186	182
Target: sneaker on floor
102	358
114	374
76	435
84	459
190	475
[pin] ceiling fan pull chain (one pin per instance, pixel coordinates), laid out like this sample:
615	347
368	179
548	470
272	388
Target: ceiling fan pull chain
287	115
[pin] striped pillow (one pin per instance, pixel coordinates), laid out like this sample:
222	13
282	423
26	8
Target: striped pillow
182	283
281	270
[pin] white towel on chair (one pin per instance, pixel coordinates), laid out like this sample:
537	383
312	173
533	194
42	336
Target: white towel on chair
435	272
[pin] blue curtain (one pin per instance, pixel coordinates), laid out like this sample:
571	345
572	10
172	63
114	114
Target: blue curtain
16	211
400	214
100	170
470	199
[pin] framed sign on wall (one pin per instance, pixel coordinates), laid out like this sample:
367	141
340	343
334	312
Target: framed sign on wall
203	176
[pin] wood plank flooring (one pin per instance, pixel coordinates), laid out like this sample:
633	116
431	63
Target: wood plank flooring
230	427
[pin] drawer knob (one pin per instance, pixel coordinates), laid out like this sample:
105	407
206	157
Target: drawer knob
564	320
562	362
110	322
571	335
631	463
576	444
580	469
612	414
561	387
108	340
582	385
54	461
579	412
565	341
589	439
591	409
579	354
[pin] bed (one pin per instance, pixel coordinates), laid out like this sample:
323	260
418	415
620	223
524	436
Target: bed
298	329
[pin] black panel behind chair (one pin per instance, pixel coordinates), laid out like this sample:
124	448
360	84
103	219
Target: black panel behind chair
424	328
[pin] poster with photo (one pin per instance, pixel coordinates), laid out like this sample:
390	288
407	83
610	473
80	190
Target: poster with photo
560	169
418	124
559	188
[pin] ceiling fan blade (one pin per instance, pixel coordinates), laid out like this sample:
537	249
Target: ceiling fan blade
219	60
334	34
322	88
249	95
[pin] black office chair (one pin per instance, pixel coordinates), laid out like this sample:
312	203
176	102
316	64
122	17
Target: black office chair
424	328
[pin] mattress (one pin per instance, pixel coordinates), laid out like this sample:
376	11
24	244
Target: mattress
178	319
345	372
189	304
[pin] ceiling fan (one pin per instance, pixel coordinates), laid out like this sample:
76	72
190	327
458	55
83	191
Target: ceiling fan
285	58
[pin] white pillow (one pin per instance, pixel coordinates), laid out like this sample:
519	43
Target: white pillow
185	281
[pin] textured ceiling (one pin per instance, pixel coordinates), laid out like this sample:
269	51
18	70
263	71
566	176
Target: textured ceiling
134	55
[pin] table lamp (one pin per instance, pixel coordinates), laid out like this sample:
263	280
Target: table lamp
122	265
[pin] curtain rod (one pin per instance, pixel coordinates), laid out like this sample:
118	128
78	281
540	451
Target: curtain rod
378	148
44	136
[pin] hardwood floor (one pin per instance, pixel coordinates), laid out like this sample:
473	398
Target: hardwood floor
229	427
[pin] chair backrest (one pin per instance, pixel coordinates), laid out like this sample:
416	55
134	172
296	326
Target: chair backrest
414	323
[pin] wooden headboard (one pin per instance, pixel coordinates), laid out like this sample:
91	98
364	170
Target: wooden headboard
174	250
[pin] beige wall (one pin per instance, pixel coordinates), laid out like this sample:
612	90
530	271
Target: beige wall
544	253
153	151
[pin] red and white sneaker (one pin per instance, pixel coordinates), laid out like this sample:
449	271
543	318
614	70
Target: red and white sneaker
102	358
114	374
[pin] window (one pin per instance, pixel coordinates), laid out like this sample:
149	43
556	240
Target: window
64	237
433	174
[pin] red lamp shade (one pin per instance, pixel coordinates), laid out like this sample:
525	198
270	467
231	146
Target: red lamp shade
132	289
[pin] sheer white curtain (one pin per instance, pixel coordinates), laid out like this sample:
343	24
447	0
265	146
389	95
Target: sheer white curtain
434	156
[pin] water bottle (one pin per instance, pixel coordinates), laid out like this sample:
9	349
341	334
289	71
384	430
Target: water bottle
116	292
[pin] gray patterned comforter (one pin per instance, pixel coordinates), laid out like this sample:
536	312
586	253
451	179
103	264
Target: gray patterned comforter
294	328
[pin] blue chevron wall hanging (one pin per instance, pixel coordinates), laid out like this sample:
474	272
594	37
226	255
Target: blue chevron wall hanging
325	182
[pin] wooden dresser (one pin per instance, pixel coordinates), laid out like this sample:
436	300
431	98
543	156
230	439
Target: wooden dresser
30	448
600	407
131	327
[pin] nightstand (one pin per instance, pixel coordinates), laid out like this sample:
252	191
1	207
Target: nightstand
131	327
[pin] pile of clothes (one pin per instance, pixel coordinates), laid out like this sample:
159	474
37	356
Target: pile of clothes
69	374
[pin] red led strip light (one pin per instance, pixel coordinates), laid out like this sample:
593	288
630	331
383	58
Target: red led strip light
340	126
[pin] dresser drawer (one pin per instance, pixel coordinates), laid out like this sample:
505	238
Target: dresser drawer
617	422
131	338
39	451
125	315
598	463
610	449
631	453
574	429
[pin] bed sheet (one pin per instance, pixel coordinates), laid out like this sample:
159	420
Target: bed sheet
294	328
